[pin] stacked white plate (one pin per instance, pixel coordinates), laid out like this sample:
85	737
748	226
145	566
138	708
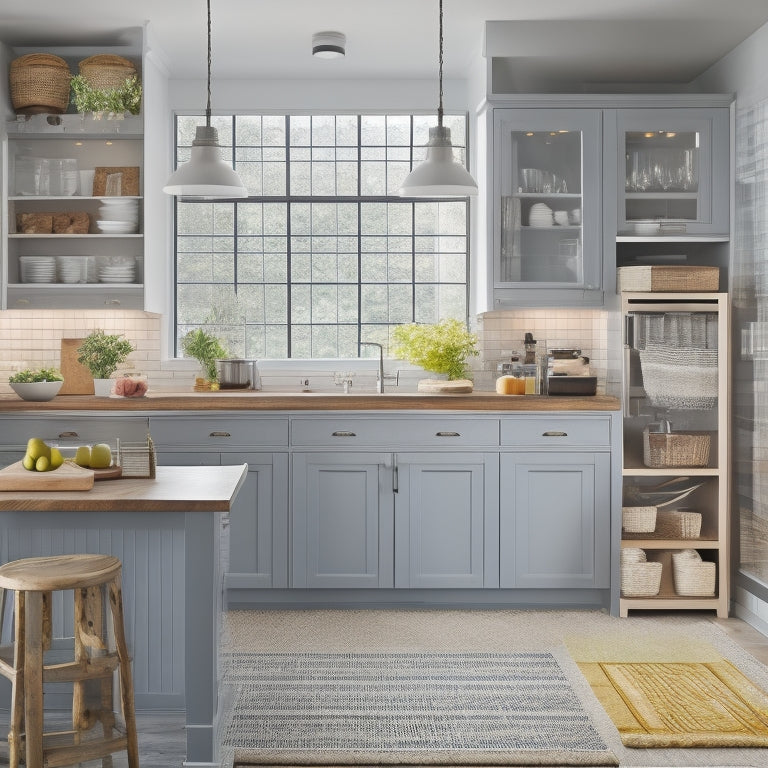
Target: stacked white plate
38	269
540	216
118	216
76	269
117	269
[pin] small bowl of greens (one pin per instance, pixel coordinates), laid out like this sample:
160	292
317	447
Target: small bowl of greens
38	384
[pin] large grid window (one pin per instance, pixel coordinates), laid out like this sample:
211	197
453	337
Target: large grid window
323	253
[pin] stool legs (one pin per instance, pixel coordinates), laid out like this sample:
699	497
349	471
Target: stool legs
17	690
33	678
126	678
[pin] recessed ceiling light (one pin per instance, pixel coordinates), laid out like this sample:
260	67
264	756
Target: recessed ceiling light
329	45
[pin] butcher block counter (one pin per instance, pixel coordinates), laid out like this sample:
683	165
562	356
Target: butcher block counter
311	401
167	533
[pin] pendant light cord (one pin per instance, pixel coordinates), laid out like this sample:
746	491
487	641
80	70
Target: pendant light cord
440	69
208	105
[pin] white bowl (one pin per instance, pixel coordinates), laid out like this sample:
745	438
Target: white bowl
36	390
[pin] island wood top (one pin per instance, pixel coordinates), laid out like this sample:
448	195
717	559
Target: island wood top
311	401
175	489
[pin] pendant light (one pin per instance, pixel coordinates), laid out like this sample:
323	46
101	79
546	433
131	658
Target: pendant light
439	175
206	175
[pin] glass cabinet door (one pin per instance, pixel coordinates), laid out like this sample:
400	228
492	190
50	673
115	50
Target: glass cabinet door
546	177
673	171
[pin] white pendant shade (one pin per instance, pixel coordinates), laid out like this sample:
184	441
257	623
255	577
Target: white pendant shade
439	175
205	174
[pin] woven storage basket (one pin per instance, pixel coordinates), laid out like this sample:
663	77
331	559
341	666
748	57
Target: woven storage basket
678	524
638	519
39	82
106	71
693	576
640	579
662	278
675	449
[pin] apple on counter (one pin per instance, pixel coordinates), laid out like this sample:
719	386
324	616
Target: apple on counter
98	456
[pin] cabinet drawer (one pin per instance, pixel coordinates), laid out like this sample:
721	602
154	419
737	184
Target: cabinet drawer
555	431
16	430
448	432
220	432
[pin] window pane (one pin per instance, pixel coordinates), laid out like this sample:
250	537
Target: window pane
340	257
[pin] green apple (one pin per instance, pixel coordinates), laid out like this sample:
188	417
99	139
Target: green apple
28	462
83	456
101	456
56	458
43	464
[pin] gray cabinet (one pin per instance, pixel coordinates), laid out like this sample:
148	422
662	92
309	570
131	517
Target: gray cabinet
258	520
342	520
421	519
555	520
673	171
446	520
258	527
545	187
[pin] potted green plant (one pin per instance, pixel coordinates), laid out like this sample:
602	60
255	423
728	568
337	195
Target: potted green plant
442	348
114	102
101	353
36	383
206	349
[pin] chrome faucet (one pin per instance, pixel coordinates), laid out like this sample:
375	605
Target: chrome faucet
380	372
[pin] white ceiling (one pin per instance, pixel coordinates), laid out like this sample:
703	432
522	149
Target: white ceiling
665	41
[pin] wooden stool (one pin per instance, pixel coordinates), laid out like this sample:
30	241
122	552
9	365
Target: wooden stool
33	580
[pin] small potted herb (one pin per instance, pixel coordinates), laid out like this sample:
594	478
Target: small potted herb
36	383
101	353
442	348
206	349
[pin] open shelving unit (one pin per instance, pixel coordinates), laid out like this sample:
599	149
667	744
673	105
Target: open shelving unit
711	497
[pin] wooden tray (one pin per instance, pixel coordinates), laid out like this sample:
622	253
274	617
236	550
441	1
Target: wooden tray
109	473
456	387
68	477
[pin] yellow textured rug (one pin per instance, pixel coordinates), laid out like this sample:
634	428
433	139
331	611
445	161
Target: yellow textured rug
680	704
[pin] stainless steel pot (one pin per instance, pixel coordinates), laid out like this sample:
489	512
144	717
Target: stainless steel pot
237	373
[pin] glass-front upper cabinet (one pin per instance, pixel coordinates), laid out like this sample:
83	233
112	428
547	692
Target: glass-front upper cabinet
546	223
673	172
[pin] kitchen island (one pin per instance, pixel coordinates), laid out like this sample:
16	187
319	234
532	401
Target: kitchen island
165	528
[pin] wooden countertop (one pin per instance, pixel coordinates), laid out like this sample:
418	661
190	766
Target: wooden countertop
175	489
310	401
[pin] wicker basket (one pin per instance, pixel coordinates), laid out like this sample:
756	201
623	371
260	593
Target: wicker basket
675	449
106	71
678	524
693	576
138	459
667	278
640	579
638	519
39	83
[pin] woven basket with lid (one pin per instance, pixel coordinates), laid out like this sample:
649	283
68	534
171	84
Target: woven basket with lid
39	83
106	71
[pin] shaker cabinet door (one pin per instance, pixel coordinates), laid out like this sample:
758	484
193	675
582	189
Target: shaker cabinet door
555	520
342	520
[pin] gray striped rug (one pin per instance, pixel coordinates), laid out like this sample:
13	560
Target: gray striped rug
399	708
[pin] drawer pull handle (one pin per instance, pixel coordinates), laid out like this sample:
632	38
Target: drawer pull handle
67	435
219	434
447	434
554	433
343	433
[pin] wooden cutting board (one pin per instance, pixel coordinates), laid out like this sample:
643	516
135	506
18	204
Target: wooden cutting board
77	378
456	387
68	477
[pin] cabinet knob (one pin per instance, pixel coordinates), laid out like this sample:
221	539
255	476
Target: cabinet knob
342	433
447	434
219	434
554	433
